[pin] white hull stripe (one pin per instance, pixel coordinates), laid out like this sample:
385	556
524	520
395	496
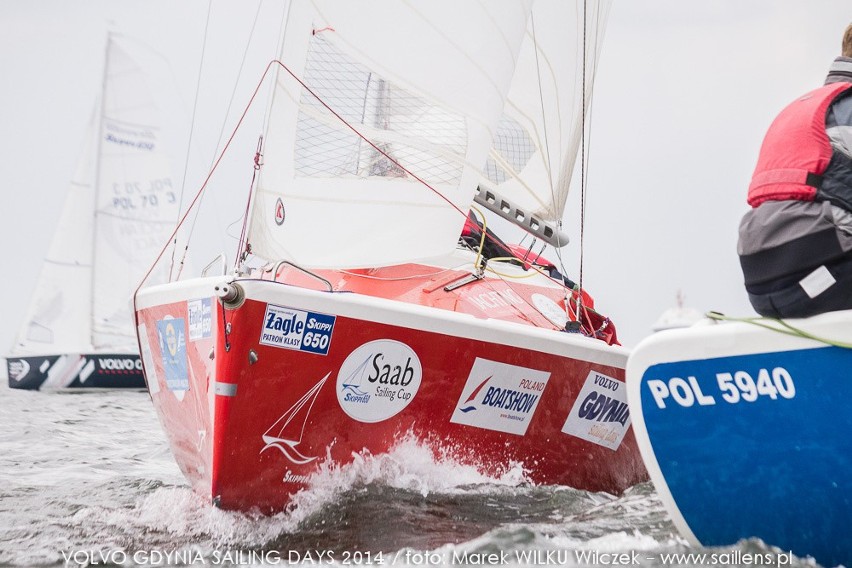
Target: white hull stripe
225	389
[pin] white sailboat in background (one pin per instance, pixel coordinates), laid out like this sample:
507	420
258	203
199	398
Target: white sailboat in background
120	208
678	316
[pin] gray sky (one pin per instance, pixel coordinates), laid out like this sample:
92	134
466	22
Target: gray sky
684	94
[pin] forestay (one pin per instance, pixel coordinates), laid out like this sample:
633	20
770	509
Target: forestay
537	142
425	83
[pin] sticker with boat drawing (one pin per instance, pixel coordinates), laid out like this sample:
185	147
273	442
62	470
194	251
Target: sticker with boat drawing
378	380
286	433
600	414
501	397
297	329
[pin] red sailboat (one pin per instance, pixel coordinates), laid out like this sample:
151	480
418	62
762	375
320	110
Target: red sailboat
356	316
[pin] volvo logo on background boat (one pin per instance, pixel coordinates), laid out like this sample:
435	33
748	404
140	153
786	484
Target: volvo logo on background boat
600	414
200	318
297	329
119	364
498	396
17	369
378	380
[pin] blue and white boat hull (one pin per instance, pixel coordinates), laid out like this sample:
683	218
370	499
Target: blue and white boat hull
746	432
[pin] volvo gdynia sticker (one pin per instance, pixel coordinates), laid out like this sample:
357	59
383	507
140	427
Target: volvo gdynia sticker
600	414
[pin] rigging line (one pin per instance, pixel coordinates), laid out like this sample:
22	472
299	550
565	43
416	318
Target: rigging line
583	156
548	158
367	140
516	307
206	180
189	141
195	103
401	278
222	132
236	82
243	247
786	329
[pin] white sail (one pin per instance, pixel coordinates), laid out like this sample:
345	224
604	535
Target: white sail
137	204
59	316
425	84
119	211
537	142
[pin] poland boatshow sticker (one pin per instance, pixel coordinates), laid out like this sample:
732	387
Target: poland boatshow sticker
297	329
378	380
499	396
600	414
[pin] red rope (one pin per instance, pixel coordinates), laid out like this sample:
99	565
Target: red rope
257	164
200	192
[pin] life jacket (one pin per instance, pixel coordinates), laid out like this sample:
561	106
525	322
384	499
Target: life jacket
797	161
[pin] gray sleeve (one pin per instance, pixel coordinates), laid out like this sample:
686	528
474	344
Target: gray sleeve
838	124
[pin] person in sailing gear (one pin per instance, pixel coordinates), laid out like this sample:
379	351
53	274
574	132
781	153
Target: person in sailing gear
795	244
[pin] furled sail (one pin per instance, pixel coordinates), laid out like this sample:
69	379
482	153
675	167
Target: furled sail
119	211
537	141
425	84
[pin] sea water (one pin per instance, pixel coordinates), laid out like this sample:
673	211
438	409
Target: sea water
88	480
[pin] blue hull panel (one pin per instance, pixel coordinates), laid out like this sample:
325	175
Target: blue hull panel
758	445
76	372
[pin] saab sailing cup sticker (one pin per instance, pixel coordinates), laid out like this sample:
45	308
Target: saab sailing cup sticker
378	380
501	397
297	329
600	414
172	338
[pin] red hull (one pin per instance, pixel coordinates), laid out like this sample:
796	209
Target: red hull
252	413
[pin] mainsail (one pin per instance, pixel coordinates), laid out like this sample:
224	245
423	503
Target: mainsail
120	209
424	84
534	152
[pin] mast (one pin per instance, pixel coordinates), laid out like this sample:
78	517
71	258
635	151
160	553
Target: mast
97	191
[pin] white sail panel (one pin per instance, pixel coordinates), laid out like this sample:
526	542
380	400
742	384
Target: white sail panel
537	142
137	203
58	319
425	86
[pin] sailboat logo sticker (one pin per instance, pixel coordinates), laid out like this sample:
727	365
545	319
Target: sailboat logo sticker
279	212
288	430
